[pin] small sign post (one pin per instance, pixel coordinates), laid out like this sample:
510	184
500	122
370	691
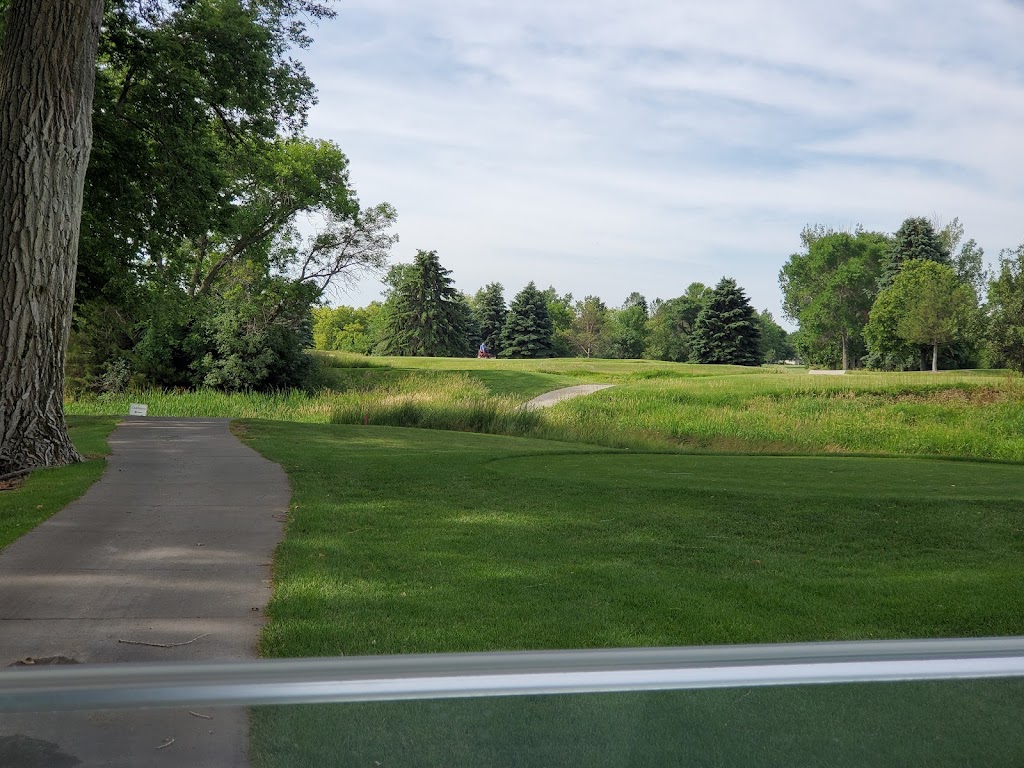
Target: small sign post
138	409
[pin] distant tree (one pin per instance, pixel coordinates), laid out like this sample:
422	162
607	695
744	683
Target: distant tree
927	304
629	328
915	239
528	331
1006	310
464	305
829	289
775	342
590	327
671	324
561	312
424	312
727	330
491	313
346	329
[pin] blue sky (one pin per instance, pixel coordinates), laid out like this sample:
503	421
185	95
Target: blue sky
608	147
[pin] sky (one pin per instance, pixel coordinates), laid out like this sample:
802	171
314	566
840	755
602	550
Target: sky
607	147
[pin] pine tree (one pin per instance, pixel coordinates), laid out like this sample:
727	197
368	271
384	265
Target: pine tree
727	329
915	239
425	314
528	331
491	313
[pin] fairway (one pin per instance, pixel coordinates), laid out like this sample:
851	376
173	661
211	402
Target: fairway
403	541
686	505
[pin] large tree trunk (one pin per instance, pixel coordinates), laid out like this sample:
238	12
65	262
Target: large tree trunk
47	77
935	358
846	350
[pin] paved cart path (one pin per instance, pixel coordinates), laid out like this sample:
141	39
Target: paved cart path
173	543
558	395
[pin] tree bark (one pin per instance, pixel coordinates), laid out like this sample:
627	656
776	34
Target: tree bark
47	78
846	350
935	358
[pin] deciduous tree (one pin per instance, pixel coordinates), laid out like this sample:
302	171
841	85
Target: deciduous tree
927	304
628	333
590	327
47	75
1006	309
671	324
829	289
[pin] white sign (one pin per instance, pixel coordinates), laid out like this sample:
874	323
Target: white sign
138	409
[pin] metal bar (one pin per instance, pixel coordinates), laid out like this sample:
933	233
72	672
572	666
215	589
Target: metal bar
436	676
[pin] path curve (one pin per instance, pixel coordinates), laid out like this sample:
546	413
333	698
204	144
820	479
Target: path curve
173	543
558	395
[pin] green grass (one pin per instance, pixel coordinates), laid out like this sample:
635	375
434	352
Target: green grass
952	414
654	406
925	725
404	541
46	491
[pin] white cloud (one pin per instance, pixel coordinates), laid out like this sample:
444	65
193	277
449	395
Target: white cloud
605	147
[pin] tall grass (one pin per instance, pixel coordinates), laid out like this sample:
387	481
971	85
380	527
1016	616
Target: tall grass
964	414
951	415
450	401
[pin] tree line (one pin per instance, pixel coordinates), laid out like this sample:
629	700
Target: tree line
155	172
919	298
192	268
424	314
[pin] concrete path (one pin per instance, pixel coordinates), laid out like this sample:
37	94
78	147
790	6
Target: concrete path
558	395
173	543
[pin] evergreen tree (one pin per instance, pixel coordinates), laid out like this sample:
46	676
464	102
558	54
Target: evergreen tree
473	338
528	331
425	314
727	329
915	239
491	313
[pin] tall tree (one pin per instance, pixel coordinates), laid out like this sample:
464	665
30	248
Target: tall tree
671	324
528	331
491	313
915	239
425	314
187	96
47	75
561	313
1006	310
775	342
629	328
590	327
829	290
927	304
726	330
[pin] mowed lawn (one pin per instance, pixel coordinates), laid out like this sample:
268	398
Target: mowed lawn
404	541
26	503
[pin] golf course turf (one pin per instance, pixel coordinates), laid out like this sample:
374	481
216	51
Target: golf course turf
402	541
